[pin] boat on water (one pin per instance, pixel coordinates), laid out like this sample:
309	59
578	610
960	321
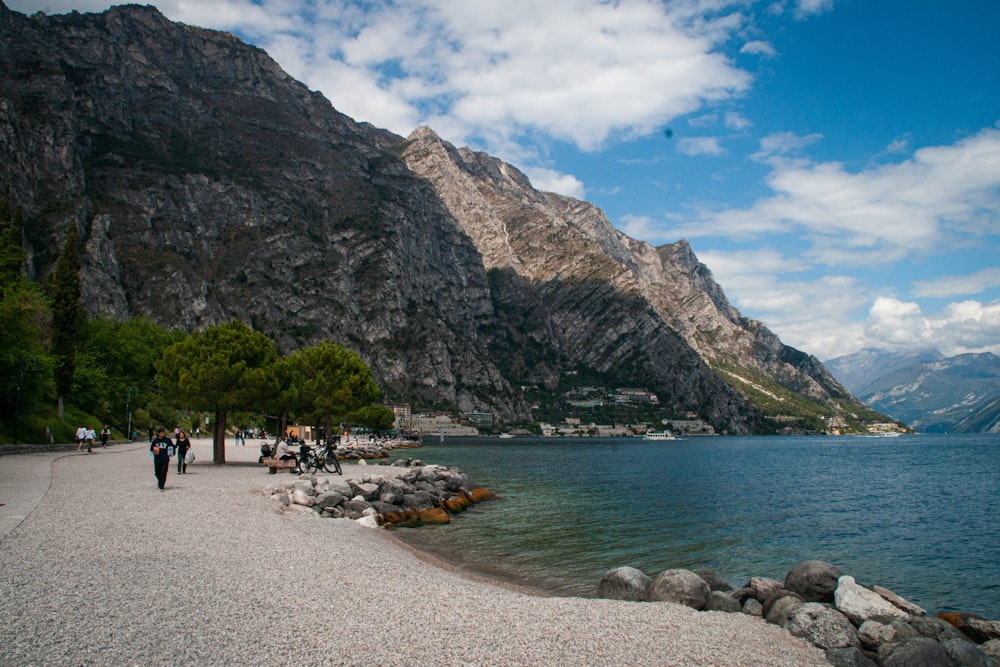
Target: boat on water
505	436
660	435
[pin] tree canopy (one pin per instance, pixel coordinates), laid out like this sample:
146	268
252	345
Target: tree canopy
218	369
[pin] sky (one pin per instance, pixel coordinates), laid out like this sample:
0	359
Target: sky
835	163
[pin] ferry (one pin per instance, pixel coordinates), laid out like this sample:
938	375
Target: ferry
660	435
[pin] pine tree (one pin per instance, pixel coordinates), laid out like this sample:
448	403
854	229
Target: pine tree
66	314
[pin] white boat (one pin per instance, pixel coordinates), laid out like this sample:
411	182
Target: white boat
660	435
505	436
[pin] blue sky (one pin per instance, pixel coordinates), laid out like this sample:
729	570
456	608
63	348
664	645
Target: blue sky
836	163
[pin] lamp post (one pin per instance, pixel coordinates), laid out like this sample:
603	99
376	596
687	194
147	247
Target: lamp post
20	379
128	413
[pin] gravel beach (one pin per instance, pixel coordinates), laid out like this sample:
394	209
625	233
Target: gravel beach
107	570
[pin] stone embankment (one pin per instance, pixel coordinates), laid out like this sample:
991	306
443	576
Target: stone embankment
857	626
420	494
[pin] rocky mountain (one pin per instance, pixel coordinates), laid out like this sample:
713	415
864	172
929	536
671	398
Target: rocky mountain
206	185
925	389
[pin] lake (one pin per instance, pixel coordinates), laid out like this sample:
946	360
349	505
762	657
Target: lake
916	514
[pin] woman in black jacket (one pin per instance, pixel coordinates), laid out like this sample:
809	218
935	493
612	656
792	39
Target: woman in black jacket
183	445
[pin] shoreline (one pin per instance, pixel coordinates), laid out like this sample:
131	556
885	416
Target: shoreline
208	572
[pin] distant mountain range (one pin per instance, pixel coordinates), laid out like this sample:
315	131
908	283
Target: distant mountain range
926	390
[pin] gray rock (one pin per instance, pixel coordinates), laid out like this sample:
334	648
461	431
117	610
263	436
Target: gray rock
992	649
899	601
874	633
624	583
392	491
714	581
680	586
937	629
384	508
777	595
981	630
824	626
860	604
814	580
780	611
918	652
418	500
722	601
342	487
300	497
354	507
763	587
849	657
329	499
753	608
964	652
368	490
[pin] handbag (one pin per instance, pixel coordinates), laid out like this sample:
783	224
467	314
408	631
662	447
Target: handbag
189	458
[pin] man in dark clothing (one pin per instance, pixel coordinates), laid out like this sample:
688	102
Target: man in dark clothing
162	448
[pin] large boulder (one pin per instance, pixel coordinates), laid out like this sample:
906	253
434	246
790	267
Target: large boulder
714	581
624	583
763	587
300	497
329	499
899	601
680	586
918	652
780	609
814	580
849	657
823	626
977	628
965	653
875	633
860	604
722	601
937	629
992	649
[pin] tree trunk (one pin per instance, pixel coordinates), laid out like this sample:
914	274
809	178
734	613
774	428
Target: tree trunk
219	437
59	406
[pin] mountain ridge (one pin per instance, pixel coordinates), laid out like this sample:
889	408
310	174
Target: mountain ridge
925	389
207	184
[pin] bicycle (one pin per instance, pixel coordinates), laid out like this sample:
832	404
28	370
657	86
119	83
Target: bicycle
321	458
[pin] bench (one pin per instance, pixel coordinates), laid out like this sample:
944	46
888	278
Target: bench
277	464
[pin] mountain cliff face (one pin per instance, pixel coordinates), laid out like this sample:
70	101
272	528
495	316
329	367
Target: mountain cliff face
927	390
207	185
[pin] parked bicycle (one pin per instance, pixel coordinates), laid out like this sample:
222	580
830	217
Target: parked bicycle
320	458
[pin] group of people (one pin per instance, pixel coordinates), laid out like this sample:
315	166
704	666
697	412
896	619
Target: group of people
87	436
161	448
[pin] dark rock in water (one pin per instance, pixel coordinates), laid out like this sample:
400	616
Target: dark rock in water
814	580
919	652
680	586
849	657
722	601
823	626
714	581
624	583
965	653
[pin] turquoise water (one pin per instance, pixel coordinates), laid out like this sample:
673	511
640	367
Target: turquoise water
917	514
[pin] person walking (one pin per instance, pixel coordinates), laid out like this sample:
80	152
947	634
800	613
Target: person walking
91	436
105	434
181	448
81	437
162	448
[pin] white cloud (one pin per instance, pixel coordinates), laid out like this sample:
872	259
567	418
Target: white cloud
949	286
700	146
759	48
805	8
735	121
961	327
879	215
549	180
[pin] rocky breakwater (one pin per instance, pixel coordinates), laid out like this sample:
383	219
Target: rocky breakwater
857	626
423	494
